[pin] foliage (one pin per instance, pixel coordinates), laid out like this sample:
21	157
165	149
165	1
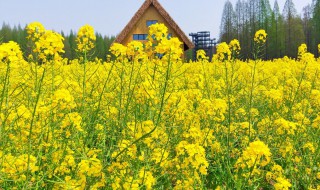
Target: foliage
149	121
287	30
19	35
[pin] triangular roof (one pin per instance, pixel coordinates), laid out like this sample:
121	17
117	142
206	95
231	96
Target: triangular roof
119	39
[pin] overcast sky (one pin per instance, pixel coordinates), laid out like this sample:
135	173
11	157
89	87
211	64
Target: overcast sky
108	17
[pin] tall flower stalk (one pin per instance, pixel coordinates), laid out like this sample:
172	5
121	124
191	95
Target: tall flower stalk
85	42
260	39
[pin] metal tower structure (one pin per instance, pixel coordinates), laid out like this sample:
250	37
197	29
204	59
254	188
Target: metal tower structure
202	40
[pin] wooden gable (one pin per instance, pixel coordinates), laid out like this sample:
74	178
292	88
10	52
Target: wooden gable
151	10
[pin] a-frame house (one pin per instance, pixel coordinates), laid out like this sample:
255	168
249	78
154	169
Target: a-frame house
149	13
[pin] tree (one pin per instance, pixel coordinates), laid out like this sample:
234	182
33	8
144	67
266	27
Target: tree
241	23
228	21
6	32
257	15
239	13
316	26
73	45
265	13
19	35
294	35
100	47
307	25
275	35
108	40
67	49
285	31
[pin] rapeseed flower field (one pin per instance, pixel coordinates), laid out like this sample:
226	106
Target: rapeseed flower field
149	120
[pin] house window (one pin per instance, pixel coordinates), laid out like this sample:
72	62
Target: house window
140	36
151	22
169	36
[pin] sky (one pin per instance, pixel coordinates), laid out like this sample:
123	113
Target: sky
109	17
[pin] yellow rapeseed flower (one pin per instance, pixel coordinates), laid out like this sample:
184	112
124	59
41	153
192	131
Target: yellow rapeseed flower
10	52
170	47
85	38
134	48
223	52
15	166
257	154
234	46
260	36
316	122
118	50
282	184
35	30
284	127
147	178
63	99
201	55
309	146
307	57
157	32
302	49
49	46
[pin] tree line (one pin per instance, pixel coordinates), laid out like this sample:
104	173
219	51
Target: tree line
19	35
286	30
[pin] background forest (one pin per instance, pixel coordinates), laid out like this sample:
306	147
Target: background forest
286	30
19	35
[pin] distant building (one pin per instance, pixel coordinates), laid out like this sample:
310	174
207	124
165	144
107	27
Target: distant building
151	12
203	41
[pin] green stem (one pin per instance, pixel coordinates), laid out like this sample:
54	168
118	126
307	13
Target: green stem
159	115
3	94
297	91
33	119
5	89
84	80
251	170
251	97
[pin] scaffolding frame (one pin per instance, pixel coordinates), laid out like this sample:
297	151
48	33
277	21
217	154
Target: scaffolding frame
202	40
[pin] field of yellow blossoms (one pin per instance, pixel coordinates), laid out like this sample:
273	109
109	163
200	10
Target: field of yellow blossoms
147	120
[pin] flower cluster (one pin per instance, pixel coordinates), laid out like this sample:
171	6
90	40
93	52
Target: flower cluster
234	47
85	38
302	50
35	31
257	154
18	167
157	32
135	49
201	55
118	50
10	52
260	37
276	176
304	55
48	45
223	52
